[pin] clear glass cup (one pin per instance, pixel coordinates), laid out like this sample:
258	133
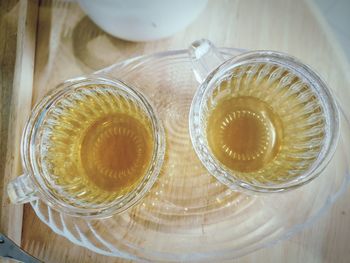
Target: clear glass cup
292	115
99	94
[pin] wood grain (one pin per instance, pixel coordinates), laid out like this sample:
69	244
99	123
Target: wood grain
69	44
17	57
8	38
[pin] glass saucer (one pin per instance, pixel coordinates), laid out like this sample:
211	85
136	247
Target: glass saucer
188	215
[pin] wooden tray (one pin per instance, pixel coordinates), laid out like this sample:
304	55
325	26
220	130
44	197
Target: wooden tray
66	43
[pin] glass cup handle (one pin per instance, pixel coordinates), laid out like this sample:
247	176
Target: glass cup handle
205	57
21	190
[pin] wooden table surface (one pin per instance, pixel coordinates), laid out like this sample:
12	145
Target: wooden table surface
42	44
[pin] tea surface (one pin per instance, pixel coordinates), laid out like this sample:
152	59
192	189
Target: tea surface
115	151
264	123
244	133
98	145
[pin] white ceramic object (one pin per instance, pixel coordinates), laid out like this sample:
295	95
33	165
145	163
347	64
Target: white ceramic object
142	20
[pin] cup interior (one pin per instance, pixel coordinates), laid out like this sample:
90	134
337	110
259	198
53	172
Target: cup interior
53	146
288	119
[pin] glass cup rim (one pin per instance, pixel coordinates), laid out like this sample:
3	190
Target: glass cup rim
30	135
197	135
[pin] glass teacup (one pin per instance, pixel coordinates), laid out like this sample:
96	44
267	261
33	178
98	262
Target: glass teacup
261	121
92	147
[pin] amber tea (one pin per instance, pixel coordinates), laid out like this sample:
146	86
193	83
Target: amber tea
244	133
265	124
98	145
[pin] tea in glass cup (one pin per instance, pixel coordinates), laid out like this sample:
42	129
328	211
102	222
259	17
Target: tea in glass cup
261	121
92	147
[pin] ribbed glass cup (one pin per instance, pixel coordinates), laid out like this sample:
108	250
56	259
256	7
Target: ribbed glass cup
281	101
53	153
